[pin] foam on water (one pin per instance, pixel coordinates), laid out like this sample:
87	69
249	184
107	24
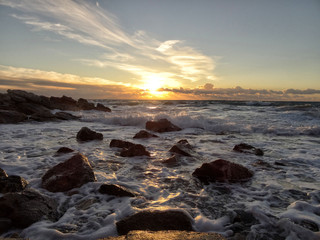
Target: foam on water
283	196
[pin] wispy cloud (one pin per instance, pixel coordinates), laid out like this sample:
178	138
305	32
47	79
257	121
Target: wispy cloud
87	23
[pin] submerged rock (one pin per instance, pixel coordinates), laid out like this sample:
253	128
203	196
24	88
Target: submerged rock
9	116
183	148
171	161
12	184
144	134
101	107
86	134
222	171
66	116
120	143
162	125
70	174
27	207
155	221
167	235
246	148
116	190
64	150
134	151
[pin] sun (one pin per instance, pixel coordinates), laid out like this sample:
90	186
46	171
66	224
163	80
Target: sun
151	86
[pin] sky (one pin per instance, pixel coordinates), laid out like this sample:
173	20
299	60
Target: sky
168	49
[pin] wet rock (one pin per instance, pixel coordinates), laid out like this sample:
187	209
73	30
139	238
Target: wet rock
12	184
86	134
162	125
222	171
86	203
183	148
64	103
66	116
83	104
44	116
30	108
3	173
64	150
155	221
246	148
9	116
5	225
27	207
167	235
120	143
101	107
261	163
171	161
134	151
23	96
279	164
144	134
116	190
70	174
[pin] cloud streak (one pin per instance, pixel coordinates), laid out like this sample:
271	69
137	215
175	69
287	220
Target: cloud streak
87	23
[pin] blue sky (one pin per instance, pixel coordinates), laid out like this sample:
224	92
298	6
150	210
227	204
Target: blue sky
208	49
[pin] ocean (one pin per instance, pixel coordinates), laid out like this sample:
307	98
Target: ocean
281	201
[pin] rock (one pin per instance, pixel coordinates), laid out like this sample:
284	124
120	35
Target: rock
27	207
5	225
167	235
72	173
64	103
86	203
222	171
155	221
163	125
120	144
171	161
260	163
135	150
12	184
86	134
44	116
144	134
8	116
3	173
23	96
279	164
116	190
83	104
246	148
182	147
66	116
101	107
31	108
65	150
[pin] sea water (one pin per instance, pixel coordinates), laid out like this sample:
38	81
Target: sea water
283	197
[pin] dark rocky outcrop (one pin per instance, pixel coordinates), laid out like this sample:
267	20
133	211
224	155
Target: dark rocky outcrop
86	134
84	104
182	148
64	103
222	171
5	225
66	116
3	173
70	174
162	125
43	116
12	184
120	143
8	116
246	148
27	207
101	107
144	134
116	190
31	108
134	151
63	150
167	235
155	221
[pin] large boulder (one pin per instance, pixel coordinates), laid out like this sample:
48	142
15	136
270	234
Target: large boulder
27	207
64	103
86	134
246	148
101	107
155	221
8	116
222	171
134	151
23	96
43	116
70	174
12	184
120	143
83	104
145	134
116	190
30	108
162	125
167	235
